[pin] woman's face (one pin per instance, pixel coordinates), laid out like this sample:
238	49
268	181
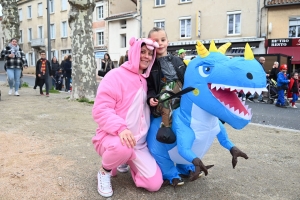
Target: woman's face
54	59
14	42
106	57
145	58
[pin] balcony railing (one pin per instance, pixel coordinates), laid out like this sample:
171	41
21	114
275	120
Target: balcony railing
40	42
270	3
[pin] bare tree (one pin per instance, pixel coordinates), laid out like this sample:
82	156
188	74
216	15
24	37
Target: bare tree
84	84
10	21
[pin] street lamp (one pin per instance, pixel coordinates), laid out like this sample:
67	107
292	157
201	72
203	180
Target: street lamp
48	30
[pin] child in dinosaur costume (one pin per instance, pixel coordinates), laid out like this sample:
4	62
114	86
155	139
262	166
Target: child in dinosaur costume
216	80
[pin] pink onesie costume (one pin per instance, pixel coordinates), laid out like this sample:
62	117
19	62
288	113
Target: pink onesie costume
121	104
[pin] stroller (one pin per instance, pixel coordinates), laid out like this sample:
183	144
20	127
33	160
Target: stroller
272	90
273	94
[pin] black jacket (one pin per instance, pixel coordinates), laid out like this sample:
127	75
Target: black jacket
154	79
38	69
273	73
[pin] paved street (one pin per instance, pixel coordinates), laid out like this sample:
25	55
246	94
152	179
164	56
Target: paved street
265	114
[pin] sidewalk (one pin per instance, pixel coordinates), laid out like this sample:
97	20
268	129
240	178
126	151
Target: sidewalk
46	153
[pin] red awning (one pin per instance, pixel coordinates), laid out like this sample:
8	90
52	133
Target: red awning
290	51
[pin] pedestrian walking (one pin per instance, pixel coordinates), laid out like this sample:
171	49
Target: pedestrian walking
15	60
282	85
293	91
43	71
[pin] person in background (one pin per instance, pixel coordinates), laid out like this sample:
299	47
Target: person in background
55	67
181	55
293	91
15	60
107	63
274	71
43	71
68	72
282	85
59	79
262	61
123	118
62	66
123	58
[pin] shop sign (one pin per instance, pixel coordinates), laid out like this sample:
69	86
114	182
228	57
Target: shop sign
284	42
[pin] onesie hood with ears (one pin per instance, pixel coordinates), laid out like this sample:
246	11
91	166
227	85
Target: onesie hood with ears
134	53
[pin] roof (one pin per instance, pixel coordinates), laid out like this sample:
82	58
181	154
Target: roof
121	16
270	3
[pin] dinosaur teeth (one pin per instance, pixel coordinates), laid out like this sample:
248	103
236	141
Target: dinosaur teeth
238	89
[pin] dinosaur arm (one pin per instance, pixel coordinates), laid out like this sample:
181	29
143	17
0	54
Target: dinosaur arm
223	138
185	140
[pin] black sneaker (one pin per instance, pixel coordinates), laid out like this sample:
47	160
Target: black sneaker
261	101
251	100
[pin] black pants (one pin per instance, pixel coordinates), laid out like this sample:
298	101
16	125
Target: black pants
43	81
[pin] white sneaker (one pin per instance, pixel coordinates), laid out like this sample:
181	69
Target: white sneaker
243	99
104	184
294	106
10	92
17	93
123	168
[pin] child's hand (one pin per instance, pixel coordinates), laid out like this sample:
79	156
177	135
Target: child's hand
153	102
127	138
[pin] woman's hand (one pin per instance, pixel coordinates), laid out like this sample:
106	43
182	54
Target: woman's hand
11	55
153	102
127	138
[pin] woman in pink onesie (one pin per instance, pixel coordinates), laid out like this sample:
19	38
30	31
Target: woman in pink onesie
123	119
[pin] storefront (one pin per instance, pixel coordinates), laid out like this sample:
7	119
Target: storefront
286	46
236	49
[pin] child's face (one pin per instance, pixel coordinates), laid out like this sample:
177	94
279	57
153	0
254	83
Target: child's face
162	40
295	76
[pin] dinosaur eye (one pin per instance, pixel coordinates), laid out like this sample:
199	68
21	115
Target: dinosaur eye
205	70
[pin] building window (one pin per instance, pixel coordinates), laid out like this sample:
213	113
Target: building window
31	59
294	27
100	12
29	14
20	15
29	34
123	40
40	9
123	23
51	4
40	32
233	23
100	38
52	31
159	24
64	5
64	29
185	1
185	28
65	52
21	37
159	2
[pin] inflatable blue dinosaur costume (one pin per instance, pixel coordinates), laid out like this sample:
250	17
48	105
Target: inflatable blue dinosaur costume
216	79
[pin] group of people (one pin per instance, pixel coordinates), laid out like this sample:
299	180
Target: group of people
53	70
279	75
128	95
15	61
122	110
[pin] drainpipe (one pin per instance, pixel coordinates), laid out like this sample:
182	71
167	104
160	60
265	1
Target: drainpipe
258	19
141	18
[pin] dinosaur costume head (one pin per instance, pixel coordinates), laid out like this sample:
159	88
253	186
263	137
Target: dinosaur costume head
217	79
